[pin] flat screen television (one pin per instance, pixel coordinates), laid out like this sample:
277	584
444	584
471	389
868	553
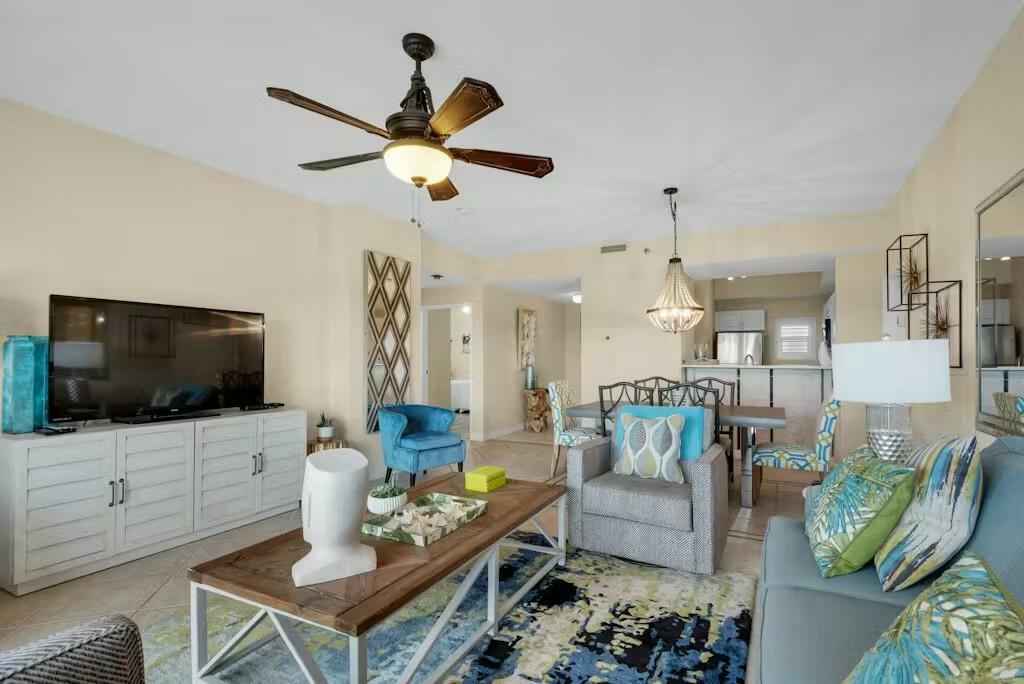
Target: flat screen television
129	360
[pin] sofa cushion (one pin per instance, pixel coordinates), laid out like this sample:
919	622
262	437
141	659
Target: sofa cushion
787	563
812	637
691	442
421	441
1002	515
650	448
858	505
964	626
652	502
941	514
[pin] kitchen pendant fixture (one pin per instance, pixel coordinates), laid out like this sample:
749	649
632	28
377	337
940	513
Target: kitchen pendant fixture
675	310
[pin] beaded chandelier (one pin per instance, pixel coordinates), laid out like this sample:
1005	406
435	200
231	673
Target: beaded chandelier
675	310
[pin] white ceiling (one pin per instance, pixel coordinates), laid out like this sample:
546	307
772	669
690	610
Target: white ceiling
758	111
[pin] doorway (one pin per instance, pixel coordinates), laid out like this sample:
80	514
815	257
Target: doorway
448	345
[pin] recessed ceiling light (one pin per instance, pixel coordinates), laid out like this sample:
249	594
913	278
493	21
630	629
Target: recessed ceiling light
743	277
436	276
466	308
730	278
1006	258
988	258
577	298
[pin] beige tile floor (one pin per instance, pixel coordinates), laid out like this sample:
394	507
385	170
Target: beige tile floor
156	586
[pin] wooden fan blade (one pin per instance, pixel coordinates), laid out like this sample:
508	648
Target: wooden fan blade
328	164
526	164
470	101
314	106
444	190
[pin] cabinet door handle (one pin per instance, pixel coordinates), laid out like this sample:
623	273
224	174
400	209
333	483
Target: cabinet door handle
121	481
260	462
254	464
113	493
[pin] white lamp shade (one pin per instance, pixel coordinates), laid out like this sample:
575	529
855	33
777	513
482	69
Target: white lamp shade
908	372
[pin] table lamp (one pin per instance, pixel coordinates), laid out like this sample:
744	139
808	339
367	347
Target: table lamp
889	377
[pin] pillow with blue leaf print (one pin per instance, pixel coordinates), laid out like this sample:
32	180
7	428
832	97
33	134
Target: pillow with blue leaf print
858	505
965	627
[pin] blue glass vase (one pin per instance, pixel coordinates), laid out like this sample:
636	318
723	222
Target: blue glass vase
24	384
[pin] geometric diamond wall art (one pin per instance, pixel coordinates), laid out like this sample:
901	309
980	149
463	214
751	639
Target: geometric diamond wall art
388	324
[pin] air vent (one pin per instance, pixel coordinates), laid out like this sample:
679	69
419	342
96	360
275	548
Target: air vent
612	249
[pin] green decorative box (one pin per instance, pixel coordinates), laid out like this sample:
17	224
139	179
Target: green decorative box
426	519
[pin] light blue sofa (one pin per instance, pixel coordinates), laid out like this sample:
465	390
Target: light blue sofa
814	630
416	437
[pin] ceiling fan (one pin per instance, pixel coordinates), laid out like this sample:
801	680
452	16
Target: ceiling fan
416	152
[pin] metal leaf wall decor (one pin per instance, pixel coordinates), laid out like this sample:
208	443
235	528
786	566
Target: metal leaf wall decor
388	326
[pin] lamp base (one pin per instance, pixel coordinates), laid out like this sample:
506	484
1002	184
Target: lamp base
890	434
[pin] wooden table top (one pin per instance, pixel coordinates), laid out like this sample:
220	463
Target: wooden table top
262	572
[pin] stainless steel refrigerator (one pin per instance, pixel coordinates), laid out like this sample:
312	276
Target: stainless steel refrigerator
998	346
740	347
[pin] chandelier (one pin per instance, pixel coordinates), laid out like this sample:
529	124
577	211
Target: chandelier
675	310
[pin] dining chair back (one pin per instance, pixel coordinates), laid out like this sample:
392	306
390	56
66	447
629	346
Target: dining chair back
656	383
611	396
726	397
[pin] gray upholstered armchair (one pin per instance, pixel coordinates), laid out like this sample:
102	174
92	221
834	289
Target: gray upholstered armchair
681	526
106	651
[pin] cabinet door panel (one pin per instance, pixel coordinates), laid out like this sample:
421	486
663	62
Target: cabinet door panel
156	464
68	520
225	484
282	458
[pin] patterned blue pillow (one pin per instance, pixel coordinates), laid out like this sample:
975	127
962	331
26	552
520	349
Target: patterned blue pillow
965	627
941	515
650	448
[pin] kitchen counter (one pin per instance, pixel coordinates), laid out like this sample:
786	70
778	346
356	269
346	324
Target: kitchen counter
784	366
798	388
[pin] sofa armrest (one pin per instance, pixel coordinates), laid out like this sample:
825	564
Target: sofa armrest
709	480
108	650
585	461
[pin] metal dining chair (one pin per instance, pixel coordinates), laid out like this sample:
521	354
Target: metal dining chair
656	383
726	397
611	396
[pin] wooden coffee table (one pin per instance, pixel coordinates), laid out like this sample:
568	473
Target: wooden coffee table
260	575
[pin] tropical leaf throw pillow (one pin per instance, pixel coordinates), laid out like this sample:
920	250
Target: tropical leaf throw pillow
650	447
941	515
858	505
965	627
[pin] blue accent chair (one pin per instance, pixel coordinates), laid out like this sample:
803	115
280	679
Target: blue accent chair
416	437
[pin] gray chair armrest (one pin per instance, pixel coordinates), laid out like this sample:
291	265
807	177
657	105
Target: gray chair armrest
709	479
584	462
106	651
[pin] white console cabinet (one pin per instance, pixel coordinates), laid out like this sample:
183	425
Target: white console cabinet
77	503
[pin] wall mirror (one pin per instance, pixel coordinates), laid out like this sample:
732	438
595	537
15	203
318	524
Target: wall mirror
1000	322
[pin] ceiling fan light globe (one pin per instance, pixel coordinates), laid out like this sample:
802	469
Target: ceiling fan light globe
419	162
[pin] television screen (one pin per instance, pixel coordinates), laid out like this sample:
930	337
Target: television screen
113	359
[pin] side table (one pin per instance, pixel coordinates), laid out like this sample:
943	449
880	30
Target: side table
322	445
538	413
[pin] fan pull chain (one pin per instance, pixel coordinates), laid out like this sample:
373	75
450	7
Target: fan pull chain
417	211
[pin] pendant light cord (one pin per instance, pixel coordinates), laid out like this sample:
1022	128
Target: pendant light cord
675	230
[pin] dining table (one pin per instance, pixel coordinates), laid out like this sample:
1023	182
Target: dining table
746	418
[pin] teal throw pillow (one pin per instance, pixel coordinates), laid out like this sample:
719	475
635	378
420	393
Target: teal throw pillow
858	505
965	627
650	448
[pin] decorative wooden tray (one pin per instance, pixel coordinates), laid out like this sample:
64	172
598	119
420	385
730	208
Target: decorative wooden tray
426	519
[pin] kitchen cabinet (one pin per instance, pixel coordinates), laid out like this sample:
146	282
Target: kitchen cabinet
739	321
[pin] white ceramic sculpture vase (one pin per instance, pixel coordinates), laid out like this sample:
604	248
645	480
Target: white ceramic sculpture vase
334	490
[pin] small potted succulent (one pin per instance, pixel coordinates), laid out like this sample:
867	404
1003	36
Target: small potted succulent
386	498
325	428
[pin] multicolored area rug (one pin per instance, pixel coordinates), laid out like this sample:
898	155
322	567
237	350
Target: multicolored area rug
599	618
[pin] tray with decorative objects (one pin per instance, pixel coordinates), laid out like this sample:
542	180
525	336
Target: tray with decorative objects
425	520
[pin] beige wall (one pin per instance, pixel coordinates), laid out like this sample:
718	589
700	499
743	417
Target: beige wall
506	406
91	214
776	308
439	357
573	362
462	324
